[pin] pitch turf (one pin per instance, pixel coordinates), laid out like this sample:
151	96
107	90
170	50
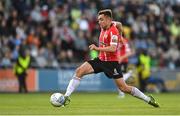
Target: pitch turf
88	104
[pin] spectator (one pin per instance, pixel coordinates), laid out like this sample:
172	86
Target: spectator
21	67
58	24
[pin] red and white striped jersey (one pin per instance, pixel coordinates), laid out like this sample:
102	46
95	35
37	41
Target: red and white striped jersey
109	37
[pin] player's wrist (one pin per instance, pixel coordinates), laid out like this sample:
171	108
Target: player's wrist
98	48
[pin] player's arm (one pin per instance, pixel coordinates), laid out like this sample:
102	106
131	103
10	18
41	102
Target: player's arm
119	26
111	48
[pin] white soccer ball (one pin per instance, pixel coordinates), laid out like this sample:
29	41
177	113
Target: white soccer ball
57	99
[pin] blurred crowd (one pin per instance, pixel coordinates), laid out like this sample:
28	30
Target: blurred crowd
60	31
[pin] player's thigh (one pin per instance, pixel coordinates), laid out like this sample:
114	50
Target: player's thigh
84	69
112	70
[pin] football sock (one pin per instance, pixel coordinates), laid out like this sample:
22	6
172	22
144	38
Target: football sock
138	94
127	75
73	84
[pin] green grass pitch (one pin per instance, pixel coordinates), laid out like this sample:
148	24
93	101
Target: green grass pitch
87	104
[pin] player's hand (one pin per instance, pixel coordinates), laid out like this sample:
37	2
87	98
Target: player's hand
93	47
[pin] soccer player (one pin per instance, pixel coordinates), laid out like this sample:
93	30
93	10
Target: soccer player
107	61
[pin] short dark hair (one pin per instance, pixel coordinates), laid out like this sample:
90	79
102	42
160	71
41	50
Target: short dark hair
106	12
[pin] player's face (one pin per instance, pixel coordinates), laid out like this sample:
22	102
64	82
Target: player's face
103	21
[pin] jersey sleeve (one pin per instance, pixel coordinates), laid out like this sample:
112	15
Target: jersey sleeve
114	37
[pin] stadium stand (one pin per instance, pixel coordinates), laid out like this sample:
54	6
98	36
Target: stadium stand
58	32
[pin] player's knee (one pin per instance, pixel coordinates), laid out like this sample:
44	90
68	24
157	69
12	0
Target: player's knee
79	72
125	89
122	89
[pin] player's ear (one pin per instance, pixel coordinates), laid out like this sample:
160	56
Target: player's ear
109	18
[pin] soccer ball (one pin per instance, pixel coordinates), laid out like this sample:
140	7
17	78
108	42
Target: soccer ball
57	99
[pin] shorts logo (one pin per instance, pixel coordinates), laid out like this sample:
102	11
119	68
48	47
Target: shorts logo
115	72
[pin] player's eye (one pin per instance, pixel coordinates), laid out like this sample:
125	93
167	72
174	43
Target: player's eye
100	20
